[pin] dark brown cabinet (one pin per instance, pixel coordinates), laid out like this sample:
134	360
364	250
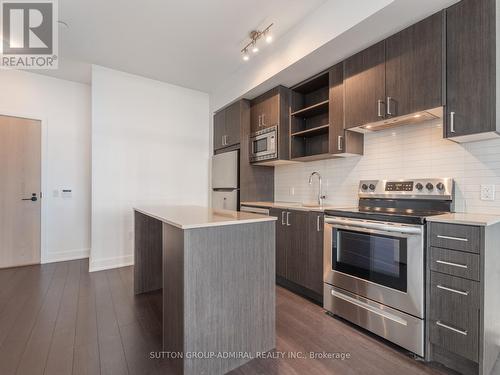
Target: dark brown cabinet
364	80
227	126
470	70
341	141
219	129
314	279
414	65
282	241
272	109
299	251
264	111
396	77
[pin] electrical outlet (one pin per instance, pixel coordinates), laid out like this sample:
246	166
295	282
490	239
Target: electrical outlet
292	191
487	192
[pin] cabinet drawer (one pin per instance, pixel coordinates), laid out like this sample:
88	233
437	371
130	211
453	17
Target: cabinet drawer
454	315
455	263
457	237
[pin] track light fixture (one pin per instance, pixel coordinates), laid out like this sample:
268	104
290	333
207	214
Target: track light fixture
255	35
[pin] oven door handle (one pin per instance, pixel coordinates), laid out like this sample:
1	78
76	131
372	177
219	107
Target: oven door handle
369	226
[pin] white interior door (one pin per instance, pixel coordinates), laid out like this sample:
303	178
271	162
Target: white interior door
20	186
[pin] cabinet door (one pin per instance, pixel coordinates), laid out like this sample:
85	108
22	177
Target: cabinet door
219	129
233	124
255	116
364	81
336	109
315	253
470	68
282	240
297	254
414	66
270	109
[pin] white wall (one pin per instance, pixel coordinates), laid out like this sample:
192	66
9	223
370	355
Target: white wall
150	145
413	151
64	108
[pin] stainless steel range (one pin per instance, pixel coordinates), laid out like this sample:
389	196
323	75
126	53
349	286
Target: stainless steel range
374	257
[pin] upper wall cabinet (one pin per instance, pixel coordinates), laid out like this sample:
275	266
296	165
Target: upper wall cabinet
272	109
364	82
227	126
396	77
264	111
470	71
414	65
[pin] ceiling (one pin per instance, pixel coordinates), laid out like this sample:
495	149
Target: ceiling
190	43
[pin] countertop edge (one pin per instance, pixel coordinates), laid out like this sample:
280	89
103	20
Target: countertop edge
205	225
465	221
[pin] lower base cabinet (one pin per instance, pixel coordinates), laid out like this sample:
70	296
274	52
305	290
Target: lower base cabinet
299	251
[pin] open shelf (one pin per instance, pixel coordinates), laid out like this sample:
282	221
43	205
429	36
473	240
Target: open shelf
312	110
319	130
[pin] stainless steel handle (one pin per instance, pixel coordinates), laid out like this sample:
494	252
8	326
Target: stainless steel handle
388	111
463	293
339	143
222	141
283	218
369	226
372	309
451	328
453	238
379	104
452	122
259	121
263	119
288	219
317	224
452	264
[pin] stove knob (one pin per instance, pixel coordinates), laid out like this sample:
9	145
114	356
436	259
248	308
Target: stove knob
419	186
372	187
364	186
440	186
429	186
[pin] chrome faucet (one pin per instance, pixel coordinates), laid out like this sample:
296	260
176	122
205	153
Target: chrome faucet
320	194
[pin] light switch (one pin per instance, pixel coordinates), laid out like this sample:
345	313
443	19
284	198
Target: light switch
487	192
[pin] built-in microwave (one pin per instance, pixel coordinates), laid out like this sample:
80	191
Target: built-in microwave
263	145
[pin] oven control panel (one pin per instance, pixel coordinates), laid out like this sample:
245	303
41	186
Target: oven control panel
425	188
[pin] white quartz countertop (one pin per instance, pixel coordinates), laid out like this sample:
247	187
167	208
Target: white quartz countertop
466	219
189	217
292	206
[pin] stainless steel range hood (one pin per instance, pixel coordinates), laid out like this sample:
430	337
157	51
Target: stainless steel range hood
414	118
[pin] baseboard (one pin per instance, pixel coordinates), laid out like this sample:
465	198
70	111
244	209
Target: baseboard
63	256
109	263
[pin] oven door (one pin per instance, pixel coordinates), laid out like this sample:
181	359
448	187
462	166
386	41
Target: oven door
383	262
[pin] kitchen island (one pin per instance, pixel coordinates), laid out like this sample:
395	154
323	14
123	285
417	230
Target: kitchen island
217	272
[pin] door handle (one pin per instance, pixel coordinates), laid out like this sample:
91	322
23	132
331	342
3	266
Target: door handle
339	143
379	108
263	119
288	219
461	292
446	326
260	121
33	198
389	99
452	122
317	224
283	218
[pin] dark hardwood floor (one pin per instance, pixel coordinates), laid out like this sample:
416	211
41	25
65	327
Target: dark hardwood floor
60	319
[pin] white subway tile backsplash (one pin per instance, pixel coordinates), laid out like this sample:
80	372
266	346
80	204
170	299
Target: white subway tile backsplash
413	151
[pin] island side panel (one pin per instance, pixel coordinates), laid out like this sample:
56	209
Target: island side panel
173	296
147	253
229	294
